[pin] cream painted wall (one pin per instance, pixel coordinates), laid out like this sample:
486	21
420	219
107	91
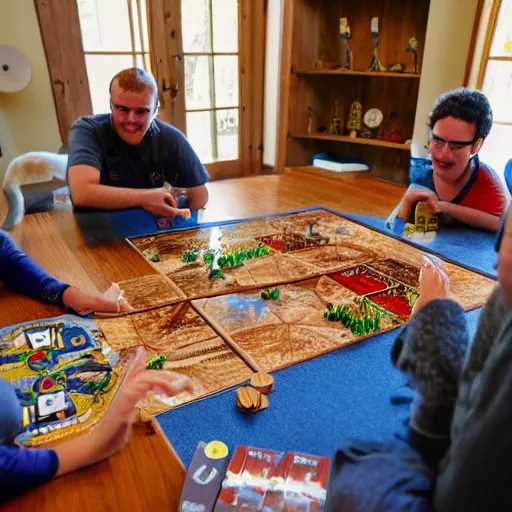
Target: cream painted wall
272	70
450	24
28	121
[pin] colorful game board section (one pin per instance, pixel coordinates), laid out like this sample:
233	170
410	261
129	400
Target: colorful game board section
284	331
190	345
395	301
62	369
335	256
398	270
150	291
363	280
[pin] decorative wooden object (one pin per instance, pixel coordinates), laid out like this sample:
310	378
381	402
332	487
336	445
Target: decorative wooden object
345	35
304	85
249	399
263	382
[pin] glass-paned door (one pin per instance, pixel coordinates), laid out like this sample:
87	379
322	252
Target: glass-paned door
211	76
114	37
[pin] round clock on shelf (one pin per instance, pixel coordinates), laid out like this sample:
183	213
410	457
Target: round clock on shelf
372	118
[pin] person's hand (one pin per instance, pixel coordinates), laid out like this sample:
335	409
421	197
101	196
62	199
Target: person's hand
434	284
83	302
113	431
161	203
413	195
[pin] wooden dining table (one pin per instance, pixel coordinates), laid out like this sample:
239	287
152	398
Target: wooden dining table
147	475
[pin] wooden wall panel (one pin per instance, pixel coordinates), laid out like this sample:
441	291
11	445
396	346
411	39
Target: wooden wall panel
62	41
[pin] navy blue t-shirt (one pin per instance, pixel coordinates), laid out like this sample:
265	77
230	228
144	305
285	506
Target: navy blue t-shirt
163	155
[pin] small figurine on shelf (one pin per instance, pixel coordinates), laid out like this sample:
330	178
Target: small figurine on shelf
354	119
397	68
312	120
375	64
412	47
372	120
345	35
335	126
396	137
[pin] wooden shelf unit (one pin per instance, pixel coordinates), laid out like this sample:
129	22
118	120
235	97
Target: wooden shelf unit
352	140
311	33
352	72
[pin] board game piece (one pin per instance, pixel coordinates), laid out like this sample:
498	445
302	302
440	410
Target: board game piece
248	398
204	477
263	382
152	254
156	363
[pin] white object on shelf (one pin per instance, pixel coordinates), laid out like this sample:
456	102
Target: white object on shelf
15	70
330	165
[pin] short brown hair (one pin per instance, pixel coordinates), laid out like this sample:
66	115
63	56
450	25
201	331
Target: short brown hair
135	80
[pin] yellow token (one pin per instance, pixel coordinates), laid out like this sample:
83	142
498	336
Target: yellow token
216	450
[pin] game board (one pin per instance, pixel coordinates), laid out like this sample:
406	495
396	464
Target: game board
62	369
259	295
189	344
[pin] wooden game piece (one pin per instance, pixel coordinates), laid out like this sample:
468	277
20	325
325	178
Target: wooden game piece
263	382
263	405
248	398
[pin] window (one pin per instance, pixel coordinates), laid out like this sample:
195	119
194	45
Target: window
495	81
207	57
211	65
114	37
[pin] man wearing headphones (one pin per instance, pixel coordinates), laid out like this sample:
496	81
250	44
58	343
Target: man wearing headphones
123	159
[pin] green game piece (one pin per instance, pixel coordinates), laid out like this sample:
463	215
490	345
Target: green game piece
377	321
265	295
222	261
215	273
274	294
208	258
157	363
331	316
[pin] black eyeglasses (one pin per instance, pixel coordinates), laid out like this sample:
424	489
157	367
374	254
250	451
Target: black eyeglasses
454	145
139	112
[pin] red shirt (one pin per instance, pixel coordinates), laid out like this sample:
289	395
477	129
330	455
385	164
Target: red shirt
485	192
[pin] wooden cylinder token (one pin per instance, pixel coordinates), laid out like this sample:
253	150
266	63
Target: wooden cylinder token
248	398
263	382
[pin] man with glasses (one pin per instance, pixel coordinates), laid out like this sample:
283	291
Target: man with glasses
457	184
124	159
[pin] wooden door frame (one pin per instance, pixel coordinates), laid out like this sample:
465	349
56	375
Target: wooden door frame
62	42
285	76
60	30
167	60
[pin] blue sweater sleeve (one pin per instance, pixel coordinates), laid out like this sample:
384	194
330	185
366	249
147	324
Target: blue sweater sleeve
22	469
22	275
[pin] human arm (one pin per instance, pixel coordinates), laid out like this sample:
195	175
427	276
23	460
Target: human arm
113	430
20	273
188	172
413	195
470	216
197	196
86	191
